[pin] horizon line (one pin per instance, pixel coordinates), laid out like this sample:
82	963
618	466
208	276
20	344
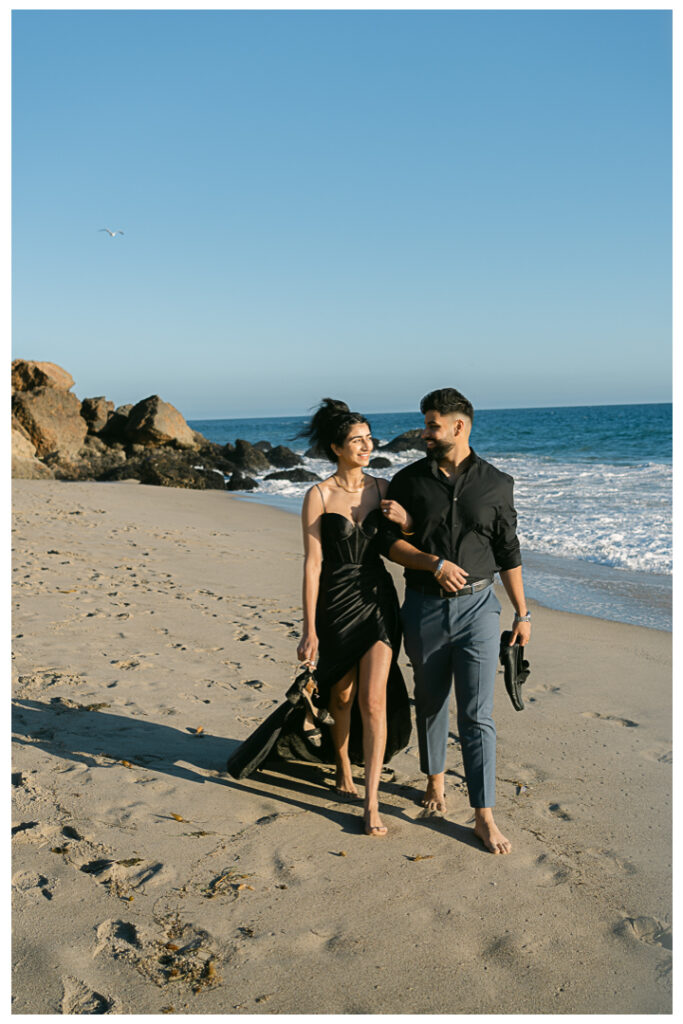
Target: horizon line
408	412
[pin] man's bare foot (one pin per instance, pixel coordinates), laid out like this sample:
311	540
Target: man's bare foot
373	823
486	829
434	798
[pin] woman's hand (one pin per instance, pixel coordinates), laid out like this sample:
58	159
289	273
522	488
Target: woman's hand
307	651
396	513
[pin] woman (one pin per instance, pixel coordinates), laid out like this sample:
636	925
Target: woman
351	619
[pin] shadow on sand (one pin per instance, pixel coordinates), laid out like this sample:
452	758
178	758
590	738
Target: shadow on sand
81	734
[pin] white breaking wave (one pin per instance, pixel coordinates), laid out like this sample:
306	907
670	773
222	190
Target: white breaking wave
618	516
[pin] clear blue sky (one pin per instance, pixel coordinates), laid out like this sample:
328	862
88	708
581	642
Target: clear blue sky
350	203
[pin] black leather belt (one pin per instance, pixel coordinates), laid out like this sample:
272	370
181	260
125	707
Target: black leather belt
471	588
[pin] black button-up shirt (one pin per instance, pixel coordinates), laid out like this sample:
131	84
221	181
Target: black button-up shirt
471	521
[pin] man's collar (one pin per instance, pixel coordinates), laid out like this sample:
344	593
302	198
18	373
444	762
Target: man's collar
434	465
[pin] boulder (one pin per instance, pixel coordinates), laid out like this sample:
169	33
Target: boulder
114	431
154	422
297	476
25	465
410	441
28	375
263	446
249	459
51	418
96	412
284	458
379	462
239	482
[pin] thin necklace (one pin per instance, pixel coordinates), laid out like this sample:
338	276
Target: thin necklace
349	490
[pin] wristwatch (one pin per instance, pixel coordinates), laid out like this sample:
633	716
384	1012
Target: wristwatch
523	618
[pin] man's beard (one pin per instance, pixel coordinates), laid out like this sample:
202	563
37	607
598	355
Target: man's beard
439	451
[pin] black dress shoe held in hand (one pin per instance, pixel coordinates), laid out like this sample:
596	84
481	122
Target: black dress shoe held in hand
515	667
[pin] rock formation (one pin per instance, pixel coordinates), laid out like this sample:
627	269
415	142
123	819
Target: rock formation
52	419
154	422
56	436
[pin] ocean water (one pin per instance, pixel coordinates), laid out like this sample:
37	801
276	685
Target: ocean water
593	492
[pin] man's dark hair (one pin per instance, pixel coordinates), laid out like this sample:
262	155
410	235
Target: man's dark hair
445	401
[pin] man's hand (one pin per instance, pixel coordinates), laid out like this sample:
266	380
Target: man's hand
451	577
521	630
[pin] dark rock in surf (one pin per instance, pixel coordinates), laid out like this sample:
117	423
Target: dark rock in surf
284	458
248	458
411	440
239	482
297	476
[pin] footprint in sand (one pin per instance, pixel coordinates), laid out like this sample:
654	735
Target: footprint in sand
664	755
542	690
25	826
552	874
78	998
119	877
624	722
559	812
128	664
255	684
185	954
43	678
646	929
33	885
612	859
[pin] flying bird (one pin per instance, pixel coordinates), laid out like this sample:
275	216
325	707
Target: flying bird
112	234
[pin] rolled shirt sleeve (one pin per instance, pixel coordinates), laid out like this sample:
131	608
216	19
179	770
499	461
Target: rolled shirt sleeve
505	543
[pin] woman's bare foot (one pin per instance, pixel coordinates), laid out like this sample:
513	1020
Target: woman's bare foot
434	798
344	785
373	823
486	829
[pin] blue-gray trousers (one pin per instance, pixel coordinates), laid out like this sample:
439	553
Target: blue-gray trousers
455	640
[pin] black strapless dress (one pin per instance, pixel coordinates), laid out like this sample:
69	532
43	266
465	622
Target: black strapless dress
357	606
357	602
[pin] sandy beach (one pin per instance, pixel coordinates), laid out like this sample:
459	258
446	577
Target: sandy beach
153	628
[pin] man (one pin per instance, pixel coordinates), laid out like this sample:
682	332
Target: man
452	525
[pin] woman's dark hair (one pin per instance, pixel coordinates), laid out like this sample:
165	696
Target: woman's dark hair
330	425
447	400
